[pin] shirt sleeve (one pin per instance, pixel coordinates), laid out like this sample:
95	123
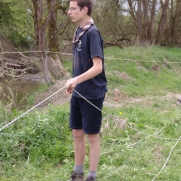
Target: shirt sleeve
96	46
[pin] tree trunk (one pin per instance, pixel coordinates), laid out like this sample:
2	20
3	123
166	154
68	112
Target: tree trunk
151	32
55	66
52	69
171	18
176	20
138	22
145	22
54	61
35	17
162	21
131	11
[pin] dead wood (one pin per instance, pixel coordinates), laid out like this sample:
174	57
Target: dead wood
16	68
119	42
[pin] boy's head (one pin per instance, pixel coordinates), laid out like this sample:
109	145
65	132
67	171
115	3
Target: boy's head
84	3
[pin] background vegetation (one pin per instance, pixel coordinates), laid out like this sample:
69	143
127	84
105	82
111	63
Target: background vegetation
139	139
124	21
43	29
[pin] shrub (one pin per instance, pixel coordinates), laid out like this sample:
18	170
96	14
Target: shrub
36	136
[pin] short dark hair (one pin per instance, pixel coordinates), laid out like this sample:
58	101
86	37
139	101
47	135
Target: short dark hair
83	3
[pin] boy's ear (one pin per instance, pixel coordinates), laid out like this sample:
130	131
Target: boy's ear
85	9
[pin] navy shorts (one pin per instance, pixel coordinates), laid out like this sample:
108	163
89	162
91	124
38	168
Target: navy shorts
85	116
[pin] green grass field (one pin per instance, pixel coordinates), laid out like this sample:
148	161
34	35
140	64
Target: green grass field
141	130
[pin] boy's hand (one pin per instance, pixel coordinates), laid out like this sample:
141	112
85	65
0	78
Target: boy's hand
70	85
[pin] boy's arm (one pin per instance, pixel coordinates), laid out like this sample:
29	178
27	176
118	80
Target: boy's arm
89	74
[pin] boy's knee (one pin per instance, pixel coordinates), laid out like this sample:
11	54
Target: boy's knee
93	138
77	133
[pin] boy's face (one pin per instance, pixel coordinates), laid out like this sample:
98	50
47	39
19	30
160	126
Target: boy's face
75	13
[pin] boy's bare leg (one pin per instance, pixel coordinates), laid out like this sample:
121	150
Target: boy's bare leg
79	147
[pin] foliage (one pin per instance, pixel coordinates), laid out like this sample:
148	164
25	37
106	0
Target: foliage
116	20
15	22
39	136
111	28
3	113
5	16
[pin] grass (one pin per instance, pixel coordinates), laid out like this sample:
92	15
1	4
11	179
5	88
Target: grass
138	64
135	151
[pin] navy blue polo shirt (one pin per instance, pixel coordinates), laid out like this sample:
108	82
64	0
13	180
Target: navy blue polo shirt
89	46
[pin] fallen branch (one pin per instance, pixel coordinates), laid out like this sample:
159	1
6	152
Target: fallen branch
17	68
116	43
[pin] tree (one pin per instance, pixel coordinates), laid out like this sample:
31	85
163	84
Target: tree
109	17
138	10
12	21
176	28
120	22
51	64
54	61
138	21
5	15
145	4
152	18
161	25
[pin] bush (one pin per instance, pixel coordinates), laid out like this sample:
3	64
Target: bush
38	136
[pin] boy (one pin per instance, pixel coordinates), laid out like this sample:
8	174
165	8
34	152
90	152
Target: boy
90	81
